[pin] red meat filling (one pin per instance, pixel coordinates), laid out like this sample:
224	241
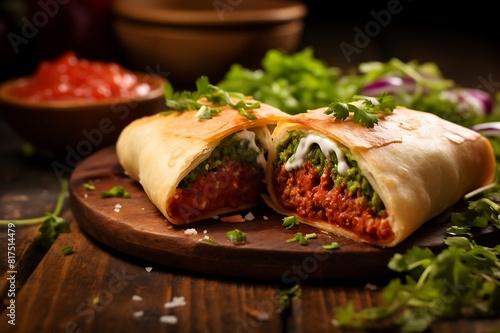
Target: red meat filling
233	185
315	197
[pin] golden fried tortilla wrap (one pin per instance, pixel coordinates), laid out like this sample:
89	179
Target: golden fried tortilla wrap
376	185
192	168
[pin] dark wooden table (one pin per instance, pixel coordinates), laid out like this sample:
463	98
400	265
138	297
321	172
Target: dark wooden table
97	289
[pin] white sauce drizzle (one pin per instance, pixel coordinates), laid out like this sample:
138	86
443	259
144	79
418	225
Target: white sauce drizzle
250	137
326	146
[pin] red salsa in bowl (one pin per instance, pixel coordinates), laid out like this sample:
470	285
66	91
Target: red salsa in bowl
72	104
69	78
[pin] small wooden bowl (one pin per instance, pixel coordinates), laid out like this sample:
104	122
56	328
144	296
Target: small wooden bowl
80	127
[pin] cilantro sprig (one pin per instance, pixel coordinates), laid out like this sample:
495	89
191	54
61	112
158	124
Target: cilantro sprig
189	100
37	220
116	192
364	112
51	227
290	222
51	223
237	237
463	279
286	296
479	214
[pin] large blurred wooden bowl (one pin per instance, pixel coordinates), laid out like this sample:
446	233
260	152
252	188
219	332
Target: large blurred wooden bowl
187	39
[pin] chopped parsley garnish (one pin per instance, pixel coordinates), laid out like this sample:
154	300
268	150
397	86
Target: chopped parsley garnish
301	238
290	222
364	113
51	228
189	100
285	296
331	246
116	192
89	186
236	236
210	241
67	250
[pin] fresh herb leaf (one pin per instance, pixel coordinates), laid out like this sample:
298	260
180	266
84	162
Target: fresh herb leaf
236	236
190	100
331	246
206	112
89	186
67	250
480	213
290	222
364	112
311	236
285	296
51	227
301	238
462	279
37	220
116	192
210	241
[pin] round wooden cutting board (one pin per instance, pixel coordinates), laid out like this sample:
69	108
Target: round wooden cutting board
136	227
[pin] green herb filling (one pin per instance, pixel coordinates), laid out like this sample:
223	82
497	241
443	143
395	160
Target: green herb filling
232	148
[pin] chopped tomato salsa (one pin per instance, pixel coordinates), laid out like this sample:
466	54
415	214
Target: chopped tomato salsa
69	78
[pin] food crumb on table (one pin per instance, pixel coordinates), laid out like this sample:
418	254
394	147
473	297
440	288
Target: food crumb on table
175	302
137	298
169	319
138	314
190	231
149	268
249	217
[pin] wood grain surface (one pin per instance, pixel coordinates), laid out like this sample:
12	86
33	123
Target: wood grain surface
139	229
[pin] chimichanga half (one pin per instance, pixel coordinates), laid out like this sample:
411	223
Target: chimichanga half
374	185
193	168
